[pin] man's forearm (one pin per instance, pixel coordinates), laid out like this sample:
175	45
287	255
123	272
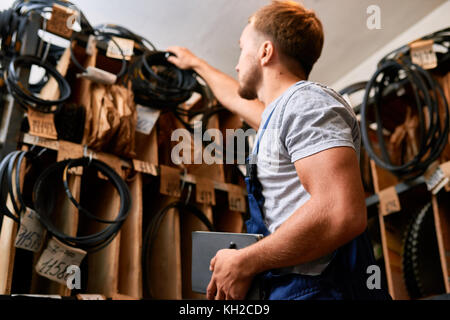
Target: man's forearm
308	234
225	89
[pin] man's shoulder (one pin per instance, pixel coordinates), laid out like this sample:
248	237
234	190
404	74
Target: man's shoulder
313	91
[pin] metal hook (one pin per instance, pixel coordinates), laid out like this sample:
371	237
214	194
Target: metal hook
188	195
183	181
85	149
41	152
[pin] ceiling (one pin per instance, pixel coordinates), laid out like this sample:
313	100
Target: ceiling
211	28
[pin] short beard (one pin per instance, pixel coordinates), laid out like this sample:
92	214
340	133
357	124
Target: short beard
248	89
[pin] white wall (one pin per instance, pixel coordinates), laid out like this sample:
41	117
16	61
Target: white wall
436	20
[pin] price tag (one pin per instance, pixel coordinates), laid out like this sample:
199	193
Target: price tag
236	198
389	201
144	167
170	181
204	191
69	150
435	178
31	232
146	118
422	54
50	144
89	296
55	260
42	124
61	21
127	46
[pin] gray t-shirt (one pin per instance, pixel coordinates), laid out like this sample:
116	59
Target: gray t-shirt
308	118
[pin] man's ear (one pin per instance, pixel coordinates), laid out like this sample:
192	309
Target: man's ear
267	52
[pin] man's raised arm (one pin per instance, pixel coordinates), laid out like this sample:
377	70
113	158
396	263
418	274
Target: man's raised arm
224	87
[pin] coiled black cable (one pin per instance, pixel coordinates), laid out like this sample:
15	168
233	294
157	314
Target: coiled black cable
102	37
12	29
159	84
111	30
426	94
25	7
6	187
10	172
24	96
44	203
153	227
167	87
441	39
54	54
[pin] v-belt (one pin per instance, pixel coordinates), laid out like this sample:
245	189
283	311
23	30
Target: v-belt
8	180
44	204
153	227
27	98
5	188
426	93
98	33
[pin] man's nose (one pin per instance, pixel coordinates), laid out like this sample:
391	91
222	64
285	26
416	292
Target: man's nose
237	68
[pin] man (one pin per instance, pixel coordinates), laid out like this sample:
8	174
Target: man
309	200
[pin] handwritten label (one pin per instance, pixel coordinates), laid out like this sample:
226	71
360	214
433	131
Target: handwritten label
127	46
69	150
144	167
170	181
204	191
42	124
50	144
435	178
31	232
60	22
422	54
389	201
146	118
236	198
55	260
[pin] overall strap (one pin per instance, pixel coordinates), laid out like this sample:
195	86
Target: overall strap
263	129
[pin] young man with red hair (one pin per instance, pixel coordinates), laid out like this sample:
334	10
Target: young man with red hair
305	194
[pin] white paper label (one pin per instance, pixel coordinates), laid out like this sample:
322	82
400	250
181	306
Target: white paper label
126	45
422	54
146	118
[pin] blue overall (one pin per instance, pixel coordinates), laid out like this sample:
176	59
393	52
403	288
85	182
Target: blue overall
345	276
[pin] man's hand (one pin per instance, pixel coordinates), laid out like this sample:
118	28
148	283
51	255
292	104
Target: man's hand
224	87
183	59
231	278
